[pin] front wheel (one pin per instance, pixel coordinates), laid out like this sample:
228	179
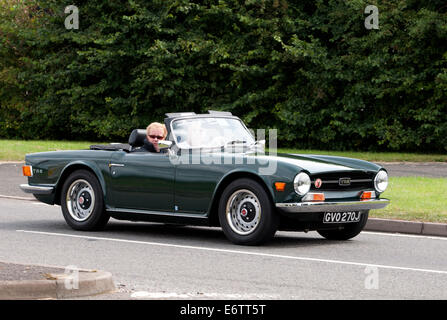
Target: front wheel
246	213
349	231
82	202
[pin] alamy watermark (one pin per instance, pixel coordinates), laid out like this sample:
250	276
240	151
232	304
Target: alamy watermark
71	281
372	21
372	278
206	151
72	20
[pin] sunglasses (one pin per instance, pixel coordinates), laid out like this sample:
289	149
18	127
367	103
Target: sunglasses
158	137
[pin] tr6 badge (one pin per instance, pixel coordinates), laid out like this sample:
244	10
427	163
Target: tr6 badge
318	183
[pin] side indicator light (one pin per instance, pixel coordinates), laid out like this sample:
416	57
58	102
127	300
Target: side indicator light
318	197
280	186
27	171
367	195
314	197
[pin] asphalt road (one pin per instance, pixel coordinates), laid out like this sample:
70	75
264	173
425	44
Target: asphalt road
10	178
150	260
416	169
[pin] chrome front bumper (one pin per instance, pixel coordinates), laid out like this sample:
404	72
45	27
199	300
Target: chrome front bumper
36	189
335	206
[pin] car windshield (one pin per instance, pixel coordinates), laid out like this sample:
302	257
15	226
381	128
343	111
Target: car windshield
209	132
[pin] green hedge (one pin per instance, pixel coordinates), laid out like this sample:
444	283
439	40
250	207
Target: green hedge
308	68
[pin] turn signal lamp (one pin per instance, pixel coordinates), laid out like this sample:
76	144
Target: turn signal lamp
314	197
27	171
280	186
367	195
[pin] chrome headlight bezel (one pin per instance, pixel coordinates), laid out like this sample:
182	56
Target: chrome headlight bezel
302	183
381	181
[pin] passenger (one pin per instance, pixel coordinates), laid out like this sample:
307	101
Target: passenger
154	133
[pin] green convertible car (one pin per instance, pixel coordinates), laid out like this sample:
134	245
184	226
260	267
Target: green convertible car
211	172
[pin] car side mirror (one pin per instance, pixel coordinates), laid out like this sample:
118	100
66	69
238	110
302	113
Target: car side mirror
259	146
165	143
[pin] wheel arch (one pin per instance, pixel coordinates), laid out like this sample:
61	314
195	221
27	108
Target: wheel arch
72	167
224	182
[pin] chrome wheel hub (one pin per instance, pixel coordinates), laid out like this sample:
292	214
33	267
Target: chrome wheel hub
80	200
243	212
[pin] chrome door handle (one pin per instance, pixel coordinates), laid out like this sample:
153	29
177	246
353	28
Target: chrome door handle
116	165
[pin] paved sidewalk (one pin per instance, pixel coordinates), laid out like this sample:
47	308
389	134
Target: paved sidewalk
31	282
408	227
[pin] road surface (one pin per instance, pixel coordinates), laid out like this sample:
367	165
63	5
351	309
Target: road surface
155	261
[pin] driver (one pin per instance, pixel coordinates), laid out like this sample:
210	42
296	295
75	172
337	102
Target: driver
155	132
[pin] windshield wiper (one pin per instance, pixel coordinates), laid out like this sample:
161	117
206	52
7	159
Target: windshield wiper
233	144
235	141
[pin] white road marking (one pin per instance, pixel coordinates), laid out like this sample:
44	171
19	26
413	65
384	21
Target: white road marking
388	234
12	162
260	254
402	235
158	295
174	295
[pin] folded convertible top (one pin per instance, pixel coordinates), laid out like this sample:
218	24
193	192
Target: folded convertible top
111	147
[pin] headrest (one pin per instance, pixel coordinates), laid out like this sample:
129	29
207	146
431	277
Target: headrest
136	138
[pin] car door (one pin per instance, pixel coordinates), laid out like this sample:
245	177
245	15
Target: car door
195	181
142	180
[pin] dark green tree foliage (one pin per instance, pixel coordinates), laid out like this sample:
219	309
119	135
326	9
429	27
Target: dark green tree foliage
308	68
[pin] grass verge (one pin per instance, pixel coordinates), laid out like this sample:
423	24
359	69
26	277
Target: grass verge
375	156
15	150
415	199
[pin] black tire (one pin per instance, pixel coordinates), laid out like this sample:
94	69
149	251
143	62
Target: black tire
88	214
349	231
251	219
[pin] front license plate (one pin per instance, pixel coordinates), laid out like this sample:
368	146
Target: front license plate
342	217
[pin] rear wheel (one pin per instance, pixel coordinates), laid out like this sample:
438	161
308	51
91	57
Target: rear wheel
82	202
246	213
349	231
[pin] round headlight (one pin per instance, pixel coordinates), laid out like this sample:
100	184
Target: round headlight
301	183
381	181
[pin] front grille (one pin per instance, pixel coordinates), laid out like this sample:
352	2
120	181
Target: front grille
358	180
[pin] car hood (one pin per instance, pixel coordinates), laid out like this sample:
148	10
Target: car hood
321	163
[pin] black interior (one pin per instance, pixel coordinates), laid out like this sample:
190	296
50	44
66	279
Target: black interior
136	138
